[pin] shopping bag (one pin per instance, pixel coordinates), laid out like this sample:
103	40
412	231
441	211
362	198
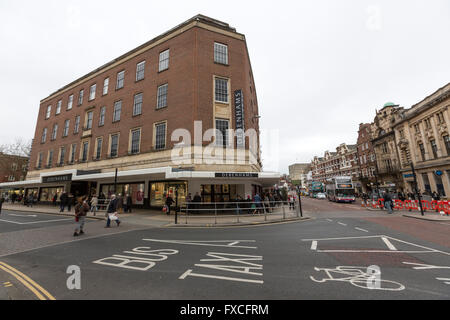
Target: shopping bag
164	209
113	216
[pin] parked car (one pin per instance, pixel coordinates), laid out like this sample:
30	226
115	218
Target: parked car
321	196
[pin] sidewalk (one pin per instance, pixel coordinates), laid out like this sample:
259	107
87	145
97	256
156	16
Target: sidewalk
428	215
157	218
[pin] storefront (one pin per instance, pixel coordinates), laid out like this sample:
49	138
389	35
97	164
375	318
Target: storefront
160	190
135	190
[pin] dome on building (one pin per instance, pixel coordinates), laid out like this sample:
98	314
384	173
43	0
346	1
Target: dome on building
389	104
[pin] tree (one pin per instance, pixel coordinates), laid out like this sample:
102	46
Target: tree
17	148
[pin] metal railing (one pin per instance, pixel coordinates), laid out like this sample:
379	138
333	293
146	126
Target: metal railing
235	211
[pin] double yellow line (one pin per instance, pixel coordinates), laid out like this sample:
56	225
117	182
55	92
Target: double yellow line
40	292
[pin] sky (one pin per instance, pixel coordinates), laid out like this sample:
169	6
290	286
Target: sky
321	67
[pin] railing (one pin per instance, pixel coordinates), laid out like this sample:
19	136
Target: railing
236	211
442	207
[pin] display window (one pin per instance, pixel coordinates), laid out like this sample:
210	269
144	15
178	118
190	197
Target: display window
136	190
160	190
47	194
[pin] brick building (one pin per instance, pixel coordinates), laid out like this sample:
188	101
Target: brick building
132	113
12	167
366	157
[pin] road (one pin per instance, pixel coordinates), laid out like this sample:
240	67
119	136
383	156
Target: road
342	252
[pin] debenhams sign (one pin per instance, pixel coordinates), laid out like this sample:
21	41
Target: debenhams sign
236	175
62	178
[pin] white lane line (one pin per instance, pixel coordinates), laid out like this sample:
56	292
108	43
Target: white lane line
22	215
342	224
22	223
389	244
330	220
360	229
314	245
447	280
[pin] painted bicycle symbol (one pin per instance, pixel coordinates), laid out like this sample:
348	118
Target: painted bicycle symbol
361	277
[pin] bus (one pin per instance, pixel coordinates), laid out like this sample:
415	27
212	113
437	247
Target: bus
316	187
340	189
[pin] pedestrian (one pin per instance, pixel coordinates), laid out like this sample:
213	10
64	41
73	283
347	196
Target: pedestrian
70	201
291	202
30	200
111	212
169	202
388	202
120	203
129	203
257	201
266	203
81	210
197	201
94	205
63	201
436	196
55	197
1	203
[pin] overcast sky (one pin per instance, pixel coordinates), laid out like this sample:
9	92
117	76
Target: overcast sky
320	67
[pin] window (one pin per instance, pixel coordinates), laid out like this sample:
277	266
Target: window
222	134
105	86
72	153
92	92
58	107
80	97
89	118
447	144
70	102
162	96
85	151
434	148
50	158
66	128
137	107
384	147
428	123
77	125
417	128
98	152
55	131
62	155
422	151
101	120
160	137
164	60
44	135
117	111
120	79
135	141
39	162
49	111
140	71
114	145
220	53
221	90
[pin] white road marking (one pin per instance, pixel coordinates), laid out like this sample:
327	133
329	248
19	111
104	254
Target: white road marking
360	229
342	224
424	266
389	244
22	215
330	220
190	273
444	279
34	222
227	243
314	245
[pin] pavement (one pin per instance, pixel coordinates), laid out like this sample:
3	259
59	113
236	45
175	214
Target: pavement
428	215
156	218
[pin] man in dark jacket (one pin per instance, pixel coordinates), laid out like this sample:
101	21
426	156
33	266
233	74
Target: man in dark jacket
169	202
63	201
388	202
81	210
1	203
111	212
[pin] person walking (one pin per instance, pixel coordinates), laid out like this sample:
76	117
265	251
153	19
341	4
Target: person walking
169	202
129	203
291	202
388	202
111	212
1	203
120	203
70	202
63	201
30	200
81	210
94	205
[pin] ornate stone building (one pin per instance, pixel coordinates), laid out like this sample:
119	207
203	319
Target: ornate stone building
366	157
422	137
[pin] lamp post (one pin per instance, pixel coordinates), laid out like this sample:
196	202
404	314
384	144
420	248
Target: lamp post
176	205
416	190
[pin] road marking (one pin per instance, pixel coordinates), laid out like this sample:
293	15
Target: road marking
190	273
425	266
40	292
342	224
330	220
34	222
22	215
389	244
447	280
209	243
360	229
314	245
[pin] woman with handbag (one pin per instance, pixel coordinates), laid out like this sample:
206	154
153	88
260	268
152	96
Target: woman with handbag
111	212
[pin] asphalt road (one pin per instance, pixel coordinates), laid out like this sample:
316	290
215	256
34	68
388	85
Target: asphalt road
326	257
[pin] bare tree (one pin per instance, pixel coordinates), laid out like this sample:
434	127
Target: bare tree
17	148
